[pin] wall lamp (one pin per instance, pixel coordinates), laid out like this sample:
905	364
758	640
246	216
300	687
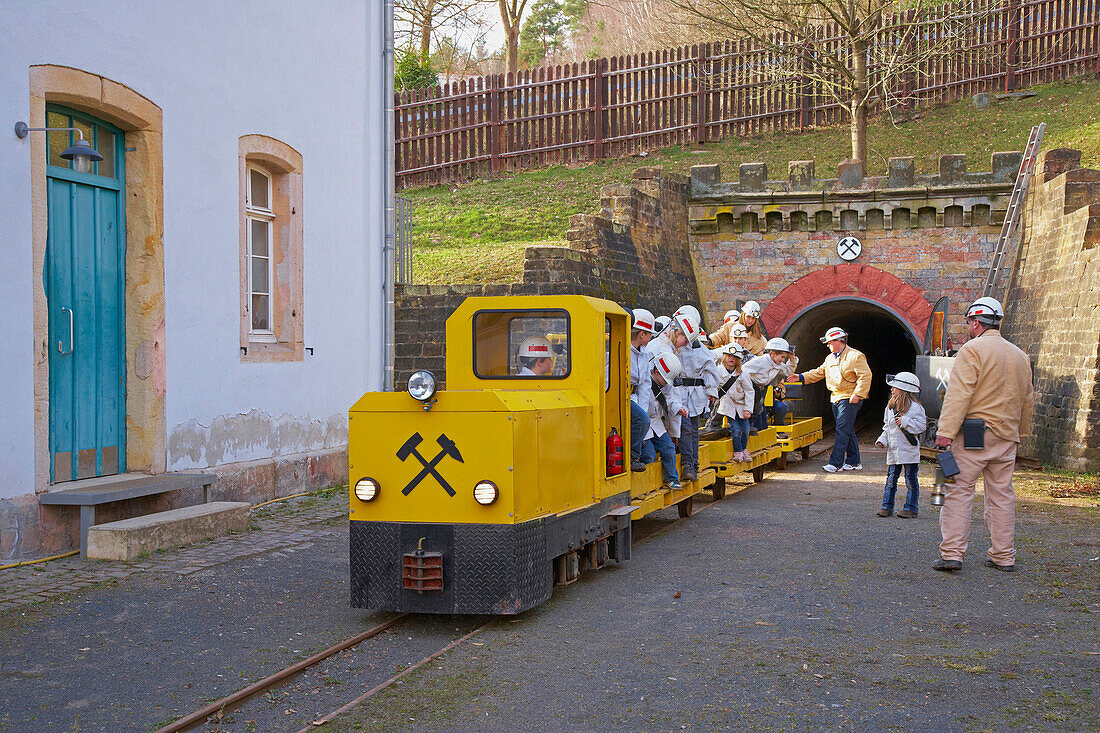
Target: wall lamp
81	152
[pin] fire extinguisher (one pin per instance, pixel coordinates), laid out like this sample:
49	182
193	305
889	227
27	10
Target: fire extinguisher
614	453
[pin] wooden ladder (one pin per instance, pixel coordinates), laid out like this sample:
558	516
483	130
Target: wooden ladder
1015	205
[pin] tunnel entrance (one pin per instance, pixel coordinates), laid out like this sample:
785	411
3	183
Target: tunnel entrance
889	343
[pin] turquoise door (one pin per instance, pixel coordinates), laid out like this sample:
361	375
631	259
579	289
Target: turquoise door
85	281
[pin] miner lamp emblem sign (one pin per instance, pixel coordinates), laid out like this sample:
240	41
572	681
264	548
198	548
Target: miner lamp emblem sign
849	248
447	448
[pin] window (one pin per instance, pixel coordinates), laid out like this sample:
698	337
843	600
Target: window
270	250
106	140
499	337
260	223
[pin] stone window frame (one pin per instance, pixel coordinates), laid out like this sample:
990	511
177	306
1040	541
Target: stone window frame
282	164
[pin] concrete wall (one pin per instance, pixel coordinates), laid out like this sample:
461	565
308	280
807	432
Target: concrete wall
307	73
775	241
634	253
1053	310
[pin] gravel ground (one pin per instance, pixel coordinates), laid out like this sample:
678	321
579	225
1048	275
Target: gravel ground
789	606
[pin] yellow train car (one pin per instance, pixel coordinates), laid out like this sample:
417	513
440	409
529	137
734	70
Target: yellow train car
479	498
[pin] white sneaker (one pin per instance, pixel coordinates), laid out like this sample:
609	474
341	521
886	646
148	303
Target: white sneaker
829	468
850	467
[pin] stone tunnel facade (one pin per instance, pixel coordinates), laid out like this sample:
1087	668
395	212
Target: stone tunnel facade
922	236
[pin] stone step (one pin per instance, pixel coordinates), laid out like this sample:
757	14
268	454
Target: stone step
128	538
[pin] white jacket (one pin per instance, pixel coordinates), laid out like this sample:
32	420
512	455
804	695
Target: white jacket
661	421
898	448
740	396
639	377
763	371
698	363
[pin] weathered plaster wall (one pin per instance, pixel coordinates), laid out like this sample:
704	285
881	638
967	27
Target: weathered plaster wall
754	238
1053	310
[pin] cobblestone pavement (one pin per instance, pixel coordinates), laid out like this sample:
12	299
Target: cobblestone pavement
286	525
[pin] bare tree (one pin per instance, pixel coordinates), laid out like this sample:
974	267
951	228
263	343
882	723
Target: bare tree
855	51
511	13
421	24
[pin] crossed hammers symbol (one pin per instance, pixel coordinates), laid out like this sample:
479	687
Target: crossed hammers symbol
848	245
448	449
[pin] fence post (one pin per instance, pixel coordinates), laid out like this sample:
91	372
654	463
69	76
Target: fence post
805	88
1012	51
599	82
494	123
701	93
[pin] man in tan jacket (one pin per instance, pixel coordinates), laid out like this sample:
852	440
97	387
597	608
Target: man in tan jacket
848	378
990	381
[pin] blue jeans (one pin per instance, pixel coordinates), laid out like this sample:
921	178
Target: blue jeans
688	445
845	445
739	431
893	472
779	411
663	445
639	426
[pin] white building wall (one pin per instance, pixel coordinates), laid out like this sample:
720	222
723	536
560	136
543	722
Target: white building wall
306	72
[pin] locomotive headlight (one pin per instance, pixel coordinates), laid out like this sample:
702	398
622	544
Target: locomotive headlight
486	492
422	385
366	489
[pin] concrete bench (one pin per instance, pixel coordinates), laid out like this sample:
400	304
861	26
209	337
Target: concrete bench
126	539
90	493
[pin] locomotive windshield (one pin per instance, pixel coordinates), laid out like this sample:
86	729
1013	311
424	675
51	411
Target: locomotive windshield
521	344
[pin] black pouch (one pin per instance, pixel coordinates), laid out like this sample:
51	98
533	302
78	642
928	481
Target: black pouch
946	459
973	431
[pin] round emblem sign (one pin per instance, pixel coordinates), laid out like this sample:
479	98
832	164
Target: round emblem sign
849	248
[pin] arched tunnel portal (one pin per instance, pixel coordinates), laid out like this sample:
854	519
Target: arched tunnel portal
889	342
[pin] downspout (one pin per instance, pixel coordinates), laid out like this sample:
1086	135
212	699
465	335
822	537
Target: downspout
390	226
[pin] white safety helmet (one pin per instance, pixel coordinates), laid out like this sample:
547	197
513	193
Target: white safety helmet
689	309
731	316
688	323
777	344
906	381
535	347
667	364
661	322
986	310
834	333
739	331
752	308
735	350
644	321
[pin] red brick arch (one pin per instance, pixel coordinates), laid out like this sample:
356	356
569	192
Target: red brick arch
848	281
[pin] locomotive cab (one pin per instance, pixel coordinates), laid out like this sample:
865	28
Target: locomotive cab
461	501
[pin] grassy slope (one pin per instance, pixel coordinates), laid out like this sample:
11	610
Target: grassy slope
477	232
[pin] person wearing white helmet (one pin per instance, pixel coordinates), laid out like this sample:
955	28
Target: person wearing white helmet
848	378
776	363
698	388
736	398
535	357
903	423
747	318
662	323
663	407
988	407
643	330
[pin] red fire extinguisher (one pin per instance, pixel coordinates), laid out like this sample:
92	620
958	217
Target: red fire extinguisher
614	453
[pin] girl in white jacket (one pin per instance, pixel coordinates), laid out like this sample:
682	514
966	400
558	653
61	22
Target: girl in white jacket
904	421
738	398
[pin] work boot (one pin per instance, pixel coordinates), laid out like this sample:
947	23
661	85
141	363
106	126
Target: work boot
1003	568
689	474
947	566
906	514
637	466
883	512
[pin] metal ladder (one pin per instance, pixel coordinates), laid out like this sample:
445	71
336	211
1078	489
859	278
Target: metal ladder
1015	204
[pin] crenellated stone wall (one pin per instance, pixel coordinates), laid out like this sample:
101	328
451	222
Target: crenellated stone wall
633	252
1052	310
753	238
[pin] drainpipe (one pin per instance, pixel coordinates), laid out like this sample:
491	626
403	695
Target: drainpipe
390	226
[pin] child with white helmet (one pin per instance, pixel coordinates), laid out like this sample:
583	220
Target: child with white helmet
641	392
536	357
904	420
673	337
663	407
697	385
776	364
736	398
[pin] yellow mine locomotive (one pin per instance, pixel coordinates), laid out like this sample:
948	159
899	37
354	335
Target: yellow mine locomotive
479	498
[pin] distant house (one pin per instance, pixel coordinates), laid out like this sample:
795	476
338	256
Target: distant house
208	295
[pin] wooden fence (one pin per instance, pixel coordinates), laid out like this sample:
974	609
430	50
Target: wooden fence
613	107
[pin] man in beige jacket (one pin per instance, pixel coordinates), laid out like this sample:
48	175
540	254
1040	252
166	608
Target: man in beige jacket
848	378
991	381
